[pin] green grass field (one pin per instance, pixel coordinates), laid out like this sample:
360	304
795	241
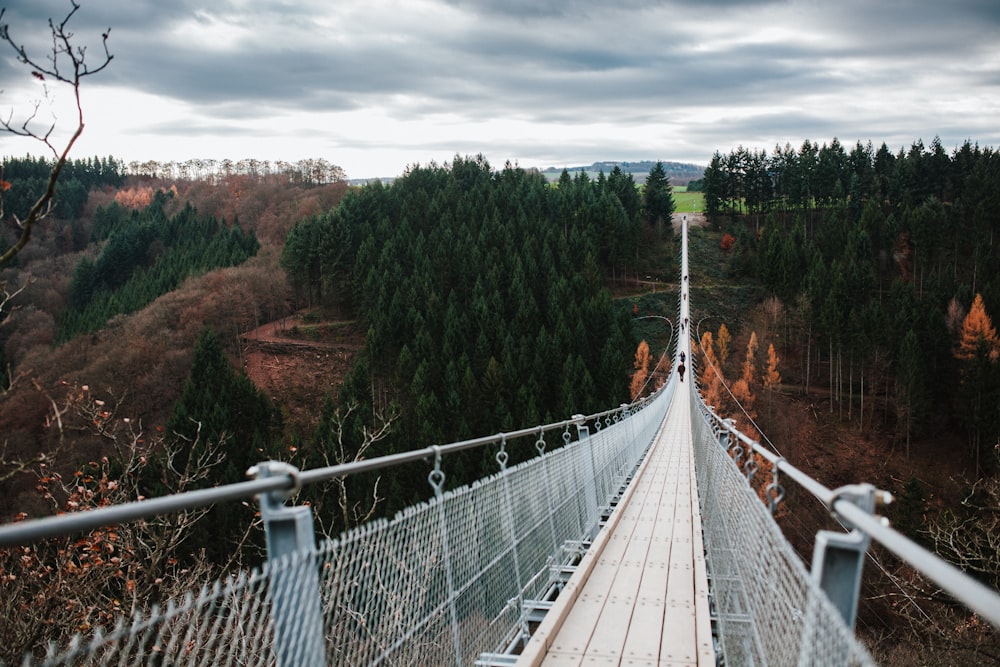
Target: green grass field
684	201
688	202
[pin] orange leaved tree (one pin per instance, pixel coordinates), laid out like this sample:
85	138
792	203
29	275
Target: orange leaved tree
772	377
978	395
710	378
641	365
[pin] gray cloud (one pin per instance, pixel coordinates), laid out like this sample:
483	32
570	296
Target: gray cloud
794	68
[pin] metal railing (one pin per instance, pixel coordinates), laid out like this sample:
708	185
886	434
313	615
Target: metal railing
444	582
839	557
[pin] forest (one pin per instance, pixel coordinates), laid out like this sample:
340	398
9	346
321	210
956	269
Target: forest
484	300
125	358
483	296
880	259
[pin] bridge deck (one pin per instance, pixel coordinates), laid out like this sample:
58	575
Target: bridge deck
640	595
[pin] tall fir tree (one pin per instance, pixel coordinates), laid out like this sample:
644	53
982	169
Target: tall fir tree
221	411
911	388
641	365
658	201
978	395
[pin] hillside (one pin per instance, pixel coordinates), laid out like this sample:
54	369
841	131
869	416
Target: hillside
679	173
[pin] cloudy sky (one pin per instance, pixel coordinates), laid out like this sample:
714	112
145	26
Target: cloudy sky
376	85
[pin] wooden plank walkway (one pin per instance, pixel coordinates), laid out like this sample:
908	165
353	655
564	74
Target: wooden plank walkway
640	594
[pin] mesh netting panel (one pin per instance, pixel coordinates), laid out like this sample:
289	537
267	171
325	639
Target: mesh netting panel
226	624
769	610
446	580
440	583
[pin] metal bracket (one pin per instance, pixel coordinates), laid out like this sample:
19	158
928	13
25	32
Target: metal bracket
294	578
838	558
275	469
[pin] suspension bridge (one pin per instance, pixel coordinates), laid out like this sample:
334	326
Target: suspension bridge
632	538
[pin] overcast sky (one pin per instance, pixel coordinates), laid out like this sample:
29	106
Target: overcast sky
376	85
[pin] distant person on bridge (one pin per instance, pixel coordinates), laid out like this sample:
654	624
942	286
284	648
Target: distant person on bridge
680	370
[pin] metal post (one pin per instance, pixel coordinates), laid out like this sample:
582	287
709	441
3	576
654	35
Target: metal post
593	502
838	558
293	584
436	480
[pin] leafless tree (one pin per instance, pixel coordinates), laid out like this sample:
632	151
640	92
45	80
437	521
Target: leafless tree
7	296
931	627
62	586
352	513
970	537
65	64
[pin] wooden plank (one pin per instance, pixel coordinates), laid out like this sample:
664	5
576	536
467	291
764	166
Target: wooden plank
547	632
643	599
612	628
642	641
577	631
703	631
679	628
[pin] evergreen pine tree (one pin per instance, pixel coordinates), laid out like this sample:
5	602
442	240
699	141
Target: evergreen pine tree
658	201
222	411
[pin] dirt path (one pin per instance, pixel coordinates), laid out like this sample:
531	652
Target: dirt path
278	332
300	364
694	220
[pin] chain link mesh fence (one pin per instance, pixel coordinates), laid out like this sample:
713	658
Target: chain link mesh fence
768	608
440	583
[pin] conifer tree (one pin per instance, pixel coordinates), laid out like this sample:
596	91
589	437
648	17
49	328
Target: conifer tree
658	201
220	408
722	344
641	365
978	396
911	388
772	378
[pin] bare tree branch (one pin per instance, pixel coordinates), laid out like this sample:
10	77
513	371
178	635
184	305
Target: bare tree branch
65	64
339	451
7	295
75	584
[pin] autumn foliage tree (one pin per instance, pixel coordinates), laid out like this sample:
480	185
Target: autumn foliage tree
57	587
722	343
978	333
641	365
772	377
978	395
710	378
743	388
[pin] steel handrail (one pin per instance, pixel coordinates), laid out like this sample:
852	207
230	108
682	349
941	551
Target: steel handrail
31	530
963	587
